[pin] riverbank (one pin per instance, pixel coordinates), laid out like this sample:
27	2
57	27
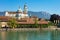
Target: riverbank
20	29
28	29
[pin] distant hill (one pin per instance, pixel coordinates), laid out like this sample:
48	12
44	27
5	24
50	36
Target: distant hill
40	14
2	13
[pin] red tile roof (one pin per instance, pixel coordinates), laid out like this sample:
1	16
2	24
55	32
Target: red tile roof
13	12
23	20
4	18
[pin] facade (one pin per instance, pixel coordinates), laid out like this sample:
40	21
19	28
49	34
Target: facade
19	13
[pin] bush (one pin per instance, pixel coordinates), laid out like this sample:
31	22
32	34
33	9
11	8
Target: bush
51	24
44	25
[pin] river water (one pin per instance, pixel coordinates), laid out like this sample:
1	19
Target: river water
30	35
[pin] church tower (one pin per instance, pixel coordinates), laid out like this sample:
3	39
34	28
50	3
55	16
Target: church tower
19	13
25	9
19	10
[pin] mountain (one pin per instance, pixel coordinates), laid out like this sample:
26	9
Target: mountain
40	14
2	13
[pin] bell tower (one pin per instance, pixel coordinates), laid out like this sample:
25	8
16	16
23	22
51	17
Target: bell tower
19	13
25	9
19	10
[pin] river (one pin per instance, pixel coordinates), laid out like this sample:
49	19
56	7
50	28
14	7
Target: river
30	35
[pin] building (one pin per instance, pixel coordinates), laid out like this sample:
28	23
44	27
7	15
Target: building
21	17
4	20
19	13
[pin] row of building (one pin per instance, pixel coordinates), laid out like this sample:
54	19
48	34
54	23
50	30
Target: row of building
21	17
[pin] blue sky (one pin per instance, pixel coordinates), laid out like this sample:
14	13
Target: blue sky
50	6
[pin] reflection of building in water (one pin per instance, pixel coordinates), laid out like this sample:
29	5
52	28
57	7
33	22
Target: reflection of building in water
23	36
55	35
3	35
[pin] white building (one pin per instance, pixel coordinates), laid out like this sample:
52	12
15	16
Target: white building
19	13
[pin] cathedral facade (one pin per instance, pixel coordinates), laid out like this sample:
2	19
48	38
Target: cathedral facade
19	13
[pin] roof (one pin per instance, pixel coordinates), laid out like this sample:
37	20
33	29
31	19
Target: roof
13	12
23	20
43	22
33	16
31	21
4	18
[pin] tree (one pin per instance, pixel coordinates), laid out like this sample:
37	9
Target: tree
54	17
12	23
50	24
36	22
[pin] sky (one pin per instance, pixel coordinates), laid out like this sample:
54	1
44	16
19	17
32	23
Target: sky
50	6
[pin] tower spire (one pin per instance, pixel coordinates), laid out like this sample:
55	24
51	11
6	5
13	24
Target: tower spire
19	9
25	9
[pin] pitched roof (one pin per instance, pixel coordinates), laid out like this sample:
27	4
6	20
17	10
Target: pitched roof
13	12
23	20
4	18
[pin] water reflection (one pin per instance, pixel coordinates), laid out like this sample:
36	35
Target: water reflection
3	36
30	35
55	35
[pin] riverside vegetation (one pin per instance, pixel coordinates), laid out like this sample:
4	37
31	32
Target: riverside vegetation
13	24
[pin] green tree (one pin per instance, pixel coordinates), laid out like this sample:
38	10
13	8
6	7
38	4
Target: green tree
36	22
50	24
12	23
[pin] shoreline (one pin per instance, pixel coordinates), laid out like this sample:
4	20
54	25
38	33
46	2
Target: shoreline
28	29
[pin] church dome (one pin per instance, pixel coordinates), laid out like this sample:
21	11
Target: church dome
19	10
